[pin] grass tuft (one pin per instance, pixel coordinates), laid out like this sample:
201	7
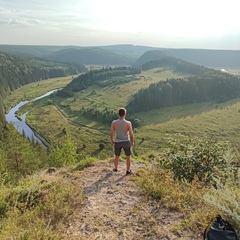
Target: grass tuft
38	207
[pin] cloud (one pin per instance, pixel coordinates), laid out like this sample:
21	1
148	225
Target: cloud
83	22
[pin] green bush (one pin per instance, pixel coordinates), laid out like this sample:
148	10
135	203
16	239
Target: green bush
225	196
191	157
85	163
64	155
101	145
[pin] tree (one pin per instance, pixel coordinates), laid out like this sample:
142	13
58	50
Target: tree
64	154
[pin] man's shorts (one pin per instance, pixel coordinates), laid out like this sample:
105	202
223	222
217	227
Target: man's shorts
126	147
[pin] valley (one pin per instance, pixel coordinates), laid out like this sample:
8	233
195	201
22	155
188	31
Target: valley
186	124
53	117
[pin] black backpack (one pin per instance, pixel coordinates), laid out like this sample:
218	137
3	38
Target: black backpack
220	229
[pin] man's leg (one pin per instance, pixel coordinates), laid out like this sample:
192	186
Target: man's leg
127	149
128	163
117	150
116	160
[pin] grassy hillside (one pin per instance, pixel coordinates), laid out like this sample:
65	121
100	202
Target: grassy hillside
69	115
50	120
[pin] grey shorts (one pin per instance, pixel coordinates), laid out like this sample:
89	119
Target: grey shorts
126	147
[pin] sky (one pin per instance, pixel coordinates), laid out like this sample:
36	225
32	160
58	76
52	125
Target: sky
204	24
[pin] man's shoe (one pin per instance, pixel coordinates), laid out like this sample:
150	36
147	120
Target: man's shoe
115	170
129	172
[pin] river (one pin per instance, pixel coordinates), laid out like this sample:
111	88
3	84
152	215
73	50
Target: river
21	125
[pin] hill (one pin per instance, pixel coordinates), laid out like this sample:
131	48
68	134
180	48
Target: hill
209	58
88	56
130	51
29	50
17	71
125	54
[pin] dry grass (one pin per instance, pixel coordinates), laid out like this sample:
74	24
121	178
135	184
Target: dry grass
38	207
181	197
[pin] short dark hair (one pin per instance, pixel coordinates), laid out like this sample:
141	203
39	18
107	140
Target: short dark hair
122	112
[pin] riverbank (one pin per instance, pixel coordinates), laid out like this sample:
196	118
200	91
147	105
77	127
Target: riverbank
20	123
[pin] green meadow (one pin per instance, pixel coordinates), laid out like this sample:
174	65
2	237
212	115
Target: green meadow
54	117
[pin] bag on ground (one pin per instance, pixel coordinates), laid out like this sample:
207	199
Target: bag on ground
220	229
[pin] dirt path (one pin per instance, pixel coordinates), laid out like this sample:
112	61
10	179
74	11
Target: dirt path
114	208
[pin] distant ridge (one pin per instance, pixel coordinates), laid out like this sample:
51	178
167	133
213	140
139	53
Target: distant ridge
93	55
29	50
125	54
132	51
151	55
208	58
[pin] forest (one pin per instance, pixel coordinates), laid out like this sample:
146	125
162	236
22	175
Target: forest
218	87
96	77
202	85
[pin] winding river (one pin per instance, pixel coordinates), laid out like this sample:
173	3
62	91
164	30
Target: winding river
21	125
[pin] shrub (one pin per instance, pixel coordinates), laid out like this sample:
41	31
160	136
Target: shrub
225	196
191	157
85	163
64	154
101	145
49	102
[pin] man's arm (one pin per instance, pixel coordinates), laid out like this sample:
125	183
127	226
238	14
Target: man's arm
112	133
131	134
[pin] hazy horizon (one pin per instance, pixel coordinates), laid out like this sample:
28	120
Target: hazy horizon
164	24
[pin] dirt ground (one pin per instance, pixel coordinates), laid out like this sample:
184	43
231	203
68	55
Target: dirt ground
114	208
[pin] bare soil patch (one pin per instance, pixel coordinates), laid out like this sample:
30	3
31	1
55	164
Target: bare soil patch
114	208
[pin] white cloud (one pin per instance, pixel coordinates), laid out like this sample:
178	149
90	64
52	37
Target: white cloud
154	22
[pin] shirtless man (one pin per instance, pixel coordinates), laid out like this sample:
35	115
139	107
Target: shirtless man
121	135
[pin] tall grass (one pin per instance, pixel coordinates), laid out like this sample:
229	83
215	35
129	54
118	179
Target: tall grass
225	196
199	200
38	207
186	198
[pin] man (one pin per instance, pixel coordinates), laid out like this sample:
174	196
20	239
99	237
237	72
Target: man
121	135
